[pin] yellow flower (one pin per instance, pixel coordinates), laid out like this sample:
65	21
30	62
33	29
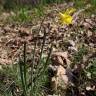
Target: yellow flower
66	17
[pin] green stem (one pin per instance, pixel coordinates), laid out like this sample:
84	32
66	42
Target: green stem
22	76
25	71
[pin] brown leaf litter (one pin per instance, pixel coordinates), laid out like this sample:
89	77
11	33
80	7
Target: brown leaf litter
12	36
59	66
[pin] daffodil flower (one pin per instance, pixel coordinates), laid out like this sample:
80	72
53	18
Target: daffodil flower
66	17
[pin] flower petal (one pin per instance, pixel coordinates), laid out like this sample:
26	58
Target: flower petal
70	11
65	19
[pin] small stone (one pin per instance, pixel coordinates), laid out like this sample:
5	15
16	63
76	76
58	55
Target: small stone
72	43
88	88
92	15
89	33
72	49
89	75
87	25
88	21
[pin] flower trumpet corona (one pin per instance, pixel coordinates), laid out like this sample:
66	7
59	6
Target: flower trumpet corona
66	17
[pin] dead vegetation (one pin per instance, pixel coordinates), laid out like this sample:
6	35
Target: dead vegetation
72	71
